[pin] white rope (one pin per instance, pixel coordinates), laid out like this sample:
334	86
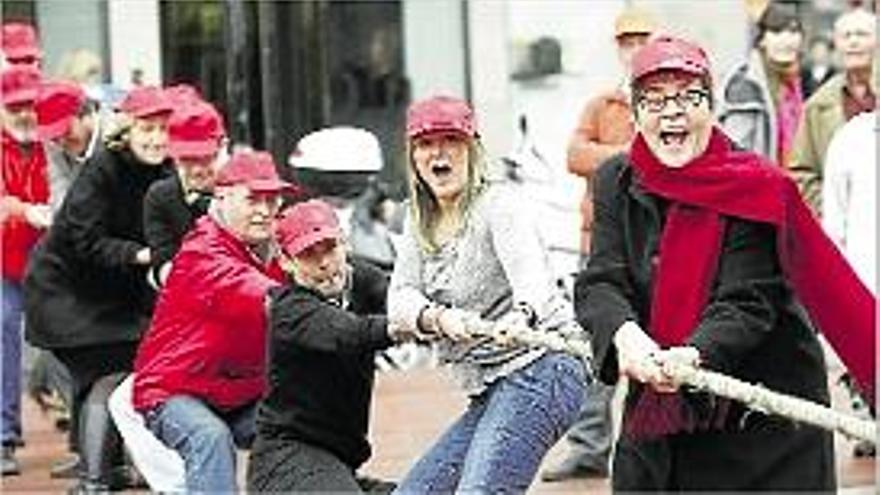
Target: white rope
755	397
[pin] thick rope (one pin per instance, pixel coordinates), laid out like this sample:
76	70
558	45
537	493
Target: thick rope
755	397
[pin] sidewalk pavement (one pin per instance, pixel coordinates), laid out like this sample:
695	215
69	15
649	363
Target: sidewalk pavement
410	410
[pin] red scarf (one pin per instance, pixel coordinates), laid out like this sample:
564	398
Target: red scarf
724	182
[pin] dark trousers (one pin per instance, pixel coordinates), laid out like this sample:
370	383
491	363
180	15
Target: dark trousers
769	454
95	372
590	435
287	465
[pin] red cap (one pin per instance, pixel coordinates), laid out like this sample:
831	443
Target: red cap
20	42
254	170
305	224
439	114
145	101
669	53
58	104
21	84
194	129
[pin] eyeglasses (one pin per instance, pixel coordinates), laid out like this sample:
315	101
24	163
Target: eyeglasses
689	98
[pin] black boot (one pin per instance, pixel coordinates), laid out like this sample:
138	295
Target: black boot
10	463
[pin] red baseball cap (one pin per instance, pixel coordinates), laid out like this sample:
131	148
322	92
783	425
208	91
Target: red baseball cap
145	101
305	224
20	42
669	53
194	129
20	84
57	105
255	170
439	114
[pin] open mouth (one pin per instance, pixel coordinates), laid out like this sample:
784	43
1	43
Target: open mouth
441	169
673	137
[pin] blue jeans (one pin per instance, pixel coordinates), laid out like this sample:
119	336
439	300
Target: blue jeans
205	438
13	319
497	445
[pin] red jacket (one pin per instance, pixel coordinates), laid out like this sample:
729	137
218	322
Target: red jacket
208	334
24	178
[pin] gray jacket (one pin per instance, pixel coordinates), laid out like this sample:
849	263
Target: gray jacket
746	109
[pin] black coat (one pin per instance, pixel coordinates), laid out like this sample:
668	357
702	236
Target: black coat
752	328
321	365
83	287
168	217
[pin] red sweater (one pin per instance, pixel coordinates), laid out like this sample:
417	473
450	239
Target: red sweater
23	177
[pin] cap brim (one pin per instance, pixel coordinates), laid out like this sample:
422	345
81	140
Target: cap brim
183	149
671	66
439	129
29	52
314	237
20	96
56	129
148	111
269	186
634	32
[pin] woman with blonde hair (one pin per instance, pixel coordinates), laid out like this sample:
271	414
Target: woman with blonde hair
86	293
471	251
81	66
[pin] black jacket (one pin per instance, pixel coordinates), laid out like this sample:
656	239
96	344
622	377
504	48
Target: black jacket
82	286
168	217
321	365
752	328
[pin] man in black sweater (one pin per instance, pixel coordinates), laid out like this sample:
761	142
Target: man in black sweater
325	327
172	205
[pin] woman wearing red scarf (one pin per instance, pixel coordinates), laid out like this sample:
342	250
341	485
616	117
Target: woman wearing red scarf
703	252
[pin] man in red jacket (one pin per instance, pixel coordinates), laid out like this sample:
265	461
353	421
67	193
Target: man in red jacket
201	365
24	215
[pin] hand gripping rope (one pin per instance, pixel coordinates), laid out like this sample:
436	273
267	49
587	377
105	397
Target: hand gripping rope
755	397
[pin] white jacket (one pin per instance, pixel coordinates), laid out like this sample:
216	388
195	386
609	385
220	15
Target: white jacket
849	194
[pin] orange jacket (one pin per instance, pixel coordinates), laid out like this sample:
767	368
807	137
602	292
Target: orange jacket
605	129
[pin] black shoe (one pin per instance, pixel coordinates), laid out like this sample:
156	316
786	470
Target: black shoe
375	486
10	463
89	488
571	468
66	468
865	449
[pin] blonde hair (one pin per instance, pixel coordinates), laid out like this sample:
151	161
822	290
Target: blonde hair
424	207
81	66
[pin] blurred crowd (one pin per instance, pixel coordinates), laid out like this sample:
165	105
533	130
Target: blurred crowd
145	256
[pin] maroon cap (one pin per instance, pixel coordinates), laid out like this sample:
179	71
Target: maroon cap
194	130
254	170
20	84
145	101
669	53
20	42
305	224
57	105
439	114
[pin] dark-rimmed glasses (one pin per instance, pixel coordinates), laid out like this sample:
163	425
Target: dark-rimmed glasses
656	102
